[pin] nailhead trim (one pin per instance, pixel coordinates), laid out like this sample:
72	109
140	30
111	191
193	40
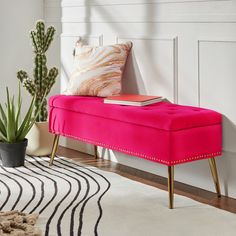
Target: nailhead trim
187	159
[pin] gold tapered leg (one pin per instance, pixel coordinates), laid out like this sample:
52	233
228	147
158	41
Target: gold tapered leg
171	186
54	148
214	173
96	151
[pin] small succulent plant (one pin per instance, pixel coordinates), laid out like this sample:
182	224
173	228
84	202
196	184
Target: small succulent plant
12	129
43	79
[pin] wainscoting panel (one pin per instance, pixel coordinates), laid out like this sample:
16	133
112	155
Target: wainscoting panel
217	73
152	60
184	50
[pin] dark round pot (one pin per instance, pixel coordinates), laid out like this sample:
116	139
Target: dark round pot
13	154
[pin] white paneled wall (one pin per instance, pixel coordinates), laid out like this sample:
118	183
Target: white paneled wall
184	50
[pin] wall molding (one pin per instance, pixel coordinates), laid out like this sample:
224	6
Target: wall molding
168	18
199	42
81	3
174	41
145	38
81	21
85	36
73	11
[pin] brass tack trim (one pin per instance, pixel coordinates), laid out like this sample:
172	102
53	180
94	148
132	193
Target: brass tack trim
156	159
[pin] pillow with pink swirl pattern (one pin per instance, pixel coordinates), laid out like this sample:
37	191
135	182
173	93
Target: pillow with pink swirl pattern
98	69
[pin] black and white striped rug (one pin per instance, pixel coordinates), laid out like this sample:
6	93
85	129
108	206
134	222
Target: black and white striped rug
73	199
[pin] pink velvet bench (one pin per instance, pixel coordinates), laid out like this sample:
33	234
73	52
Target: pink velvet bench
163	132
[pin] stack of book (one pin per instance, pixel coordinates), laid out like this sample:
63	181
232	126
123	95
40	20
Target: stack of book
133	100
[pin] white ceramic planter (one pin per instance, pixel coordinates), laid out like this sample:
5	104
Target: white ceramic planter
39	140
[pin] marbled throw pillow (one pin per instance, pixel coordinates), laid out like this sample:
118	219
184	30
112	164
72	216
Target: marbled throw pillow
98	69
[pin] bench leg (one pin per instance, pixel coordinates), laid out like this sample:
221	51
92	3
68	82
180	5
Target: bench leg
96	151
54	148
171	186
214	173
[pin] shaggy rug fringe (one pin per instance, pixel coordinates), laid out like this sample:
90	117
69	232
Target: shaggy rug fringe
17	223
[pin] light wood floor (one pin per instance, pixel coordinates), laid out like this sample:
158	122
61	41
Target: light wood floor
226	203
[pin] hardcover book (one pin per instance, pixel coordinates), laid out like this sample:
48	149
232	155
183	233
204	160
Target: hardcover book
132	99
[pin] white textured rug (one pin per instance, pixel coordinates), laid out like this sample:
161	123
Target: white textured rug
76	200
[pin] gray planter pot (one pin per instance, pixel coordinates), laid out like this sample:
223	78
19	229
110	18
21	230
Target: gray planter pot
13	154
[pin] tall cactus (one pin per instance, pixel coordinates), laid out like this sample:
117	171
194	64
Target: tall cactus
43	79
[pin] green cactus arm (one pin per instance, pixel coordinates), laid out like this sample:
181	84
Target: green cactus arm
26	81
51	79
30	86
49	37
34	39
22	75
40	28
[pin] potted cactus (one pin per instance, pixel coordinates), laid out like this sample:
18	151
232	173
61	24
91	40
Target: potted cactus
40	140
13	132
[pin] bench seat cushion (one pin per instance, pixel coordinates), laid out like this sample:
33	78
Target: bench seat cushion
163	132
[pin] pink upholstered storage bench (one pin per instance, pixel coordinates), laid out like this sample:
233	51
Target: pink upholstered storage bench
163	132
